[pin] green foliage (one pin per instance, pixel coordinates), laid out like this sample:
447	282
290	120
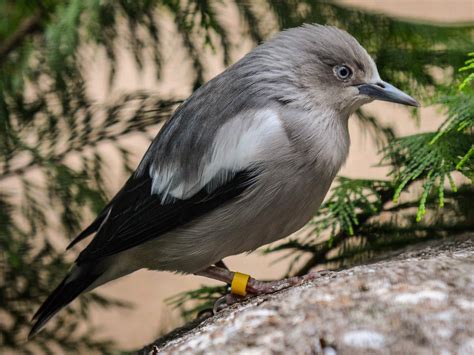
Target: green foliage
468	67
434	156
33	268
348	200
51	131
424	157
397	226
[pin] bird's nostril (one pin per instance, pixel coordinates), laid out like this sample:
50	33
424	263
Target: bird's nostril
380	85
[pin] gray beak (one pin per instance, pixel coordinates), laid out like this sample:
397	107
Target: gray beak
386	92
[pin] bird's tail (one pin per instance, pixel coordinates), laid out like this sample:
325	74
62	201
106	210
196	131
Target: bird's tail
78	280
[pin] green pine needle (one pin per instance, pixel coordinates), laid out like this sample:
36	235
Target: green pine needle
348	199
422	156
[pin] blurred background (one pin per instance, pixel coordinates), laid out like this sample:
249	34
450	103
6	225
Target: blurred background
85	86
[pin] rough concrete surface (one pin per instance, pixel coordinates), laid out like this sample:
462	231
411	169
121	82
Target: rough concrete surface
420	301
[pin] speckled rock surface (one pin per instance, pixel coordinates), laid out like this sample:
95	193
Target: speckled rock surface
418	302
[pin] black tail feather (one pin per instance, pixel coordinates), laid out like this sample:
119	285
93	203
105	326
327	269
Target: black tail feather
65	293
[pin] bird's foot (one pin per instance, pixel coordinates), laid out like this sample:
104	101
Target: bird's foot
226	301
256	287
248	287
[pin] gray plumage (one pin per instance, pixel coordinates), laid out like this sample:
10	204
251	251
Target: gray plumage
244	161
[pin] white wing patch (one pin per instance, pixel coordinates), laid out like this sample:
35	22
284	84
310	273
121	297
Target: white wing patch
238	143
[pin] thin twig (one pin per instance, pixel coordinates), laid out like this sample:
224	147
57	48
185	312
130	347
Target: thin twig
320	256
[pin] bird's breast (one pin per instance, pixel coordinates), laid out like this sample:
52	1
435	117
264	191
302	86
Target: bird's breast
320	143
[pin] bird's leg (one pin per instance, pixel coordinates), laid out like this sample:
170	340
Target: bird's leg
252	287
224	275
217	273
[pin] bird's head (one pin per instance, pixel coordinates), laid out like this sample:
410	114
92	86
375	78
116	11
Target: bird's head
330	69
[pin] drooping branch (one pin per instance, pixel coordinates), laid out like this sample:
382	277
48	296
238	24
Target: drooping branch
155	112
319	256
29	26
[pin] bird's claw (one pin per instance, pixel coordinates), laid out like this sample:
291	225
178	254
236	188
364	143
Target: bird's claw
225	301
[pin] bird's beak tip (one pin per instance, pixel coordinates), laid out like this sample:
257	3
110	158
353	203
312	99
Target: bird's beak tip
416	103
387	92
412	102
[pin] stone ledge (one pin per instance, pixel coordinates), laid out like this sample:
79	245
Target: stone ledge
418	301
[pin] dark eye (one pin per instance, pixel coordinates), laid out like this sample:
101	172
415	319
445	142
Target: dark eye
343	72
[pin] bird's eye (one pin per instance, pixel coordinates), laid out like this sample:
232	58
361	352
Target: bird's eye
343	72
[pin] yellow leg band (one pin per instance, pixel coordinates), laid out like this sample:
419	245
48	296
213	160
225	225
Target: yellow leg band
239	284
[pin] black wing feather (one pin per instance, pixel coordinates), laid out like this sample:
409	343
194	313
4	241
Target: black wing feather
138	216
133	184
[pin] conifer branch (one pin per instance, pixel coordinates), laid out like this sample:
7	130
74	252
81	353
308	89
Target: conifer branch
29	26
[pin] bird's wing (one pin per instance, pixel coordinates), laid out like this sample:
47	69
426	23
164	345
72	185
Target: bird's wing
163	195
127	192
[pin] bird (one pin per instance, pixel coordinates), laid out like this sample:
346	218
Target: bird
246	160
